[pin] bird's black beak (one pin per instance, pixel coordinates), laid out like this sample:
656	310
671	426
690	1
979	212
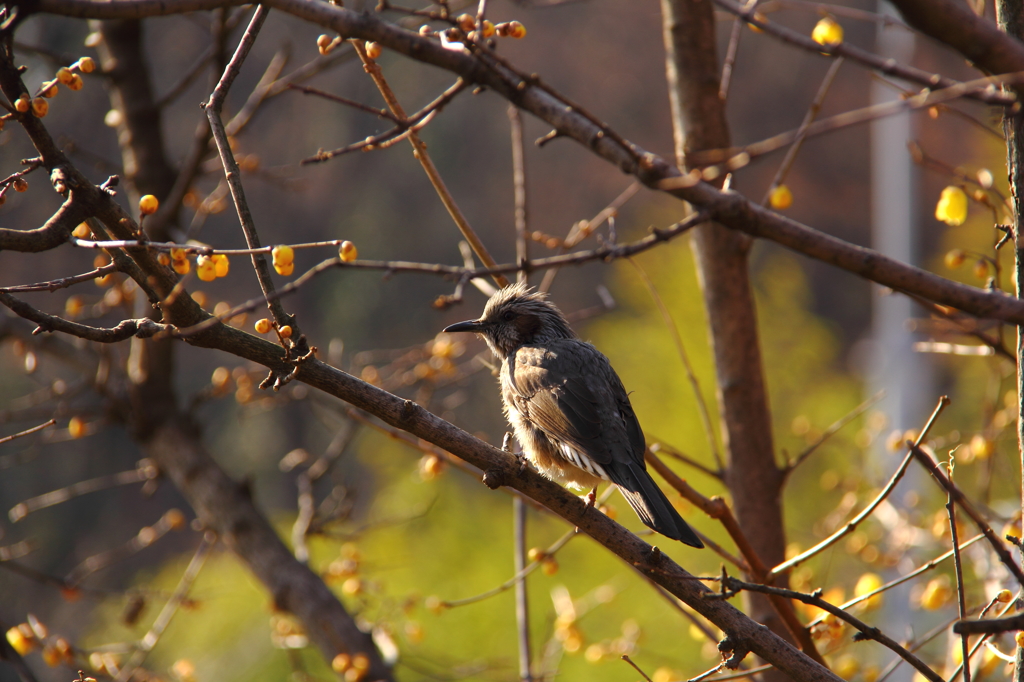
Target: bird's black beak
468	326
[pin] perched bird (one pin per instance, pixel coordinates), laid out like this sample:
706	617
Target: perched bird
567	405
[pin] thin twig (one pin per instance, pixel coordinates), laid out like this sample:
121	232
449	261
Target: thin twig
233	173
958	568
853	523
801	132
522	603
731	586
519	189
833	429
27	432
170	608
998	545
92	485
691	376
420	152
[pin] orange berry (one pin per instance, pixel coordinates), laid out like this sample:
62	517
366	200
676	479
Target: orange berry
64	75
174	519
206	269
341	663
373	50
82	231
488	28
955	258
285	270
76	427
48	89
22	104
1004	596
20	185
467	22
163	259
981	269
86	64
263	326
73	306
516	30
19	641
76	82
549	566
348	252
178	254
221	263
182	267
148	204
286	332
221	377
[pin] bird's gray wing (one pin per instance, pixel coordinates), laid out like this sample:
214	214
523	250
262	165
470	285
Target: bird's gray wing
557	389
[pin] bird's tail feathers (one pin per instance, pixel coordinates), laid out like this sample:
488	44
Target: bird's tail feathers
651	505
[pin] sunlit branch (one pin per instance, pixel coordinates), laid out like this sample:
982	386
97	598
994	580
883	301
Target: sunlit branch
126	329
833	429
998	545
887	66
27	432
731	586
63	282
867	511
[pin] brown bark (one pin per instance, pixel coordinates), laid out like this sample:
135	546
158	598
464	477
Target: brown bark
698	116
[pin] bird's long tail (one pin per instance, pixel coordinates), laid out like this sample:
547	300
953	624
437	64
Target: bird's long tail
651	505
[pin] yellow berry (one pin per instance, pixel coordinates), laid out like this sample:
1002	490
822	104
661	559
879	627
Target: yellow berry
955	258
324	44
221	263
827	32
869	582
22	104
82	231
86	64
163	259
535	554
516	29
981	269
20	185
282	254
179	254
48	89
76	82
76	427
19	641
262	325
981	447
1004	596
373	50
780	198
182	267
40	107
467	22
206	269
65	76
488	28
352	587
285	332
952	206
348	252
285	270
148	204
937	594
549	566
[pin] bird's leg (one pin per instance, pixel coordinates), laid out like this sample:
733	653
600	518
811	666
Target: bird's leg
590	499
506	445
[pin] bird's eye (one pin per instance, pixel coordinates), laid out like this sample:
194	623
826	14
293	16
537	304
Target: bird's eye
508	316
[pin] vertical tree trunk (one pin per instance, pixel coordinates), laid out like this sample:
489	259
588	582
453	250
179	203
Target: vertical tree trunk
1010	16
698	116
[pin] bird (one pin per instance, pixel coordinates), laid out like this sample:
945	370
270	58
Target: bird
567	406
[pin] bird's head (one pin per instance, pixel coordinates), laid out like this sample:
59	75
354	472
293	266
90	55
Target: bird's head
516	316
